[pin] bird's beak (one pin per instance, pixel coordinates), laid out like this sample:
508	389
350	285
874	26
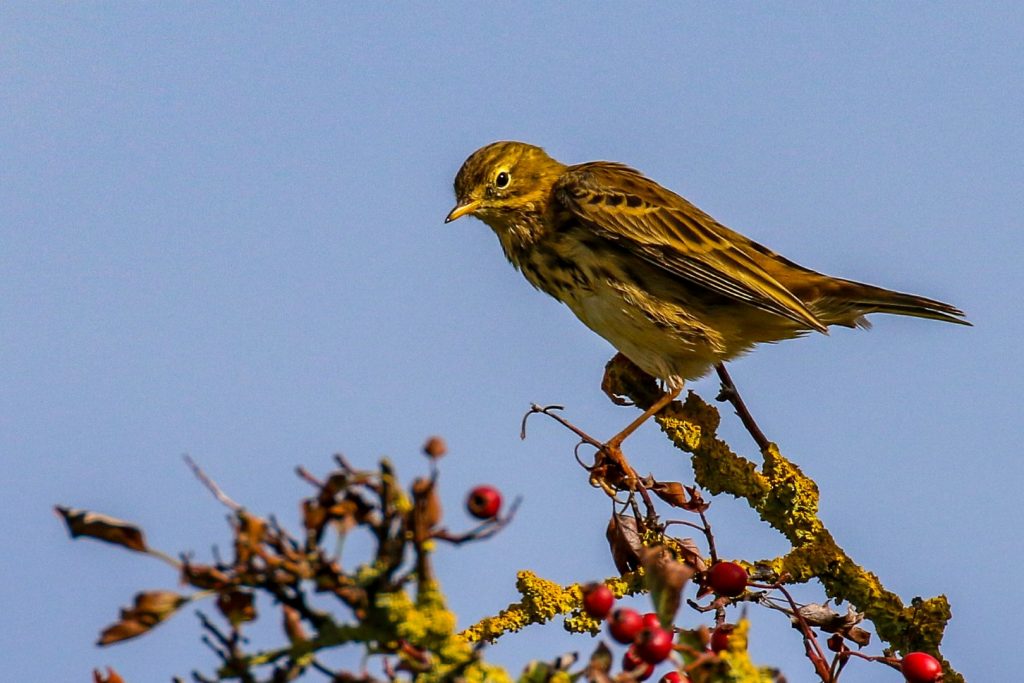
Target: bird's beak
461	209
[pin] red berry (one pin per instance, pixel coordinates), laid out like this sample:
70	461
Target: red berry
727	578
720	638
597	600
651	620
484	502
625	624
920	667
654	645
631	661
674	677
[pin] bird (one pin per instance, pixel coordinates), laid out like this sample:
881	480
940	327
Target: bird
671	288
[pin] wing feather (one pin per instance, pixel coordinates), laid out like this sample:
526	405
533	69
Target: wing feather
623	206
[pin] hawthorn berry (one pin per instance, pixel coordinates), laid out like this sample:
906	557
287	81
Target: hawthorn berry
598	600
484	502
727	578
625	624
651	620
634	663
920	667
720	638
674	677
654	645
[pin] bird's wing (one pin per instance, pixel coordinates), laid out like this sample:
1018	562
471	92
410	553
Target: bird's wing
625	207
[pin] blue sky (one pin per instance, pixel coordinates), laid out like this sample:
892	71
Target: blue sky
221	234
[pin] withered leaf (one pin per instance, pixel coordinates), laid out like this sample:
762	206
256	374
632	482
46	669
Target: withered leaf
599	665
426	512
666	577
565	662
150	608
314	517
237	606
203	576
293	625
683	497
125	629
690	553
111	676
350	511
623	536
103	528
250	531
830	621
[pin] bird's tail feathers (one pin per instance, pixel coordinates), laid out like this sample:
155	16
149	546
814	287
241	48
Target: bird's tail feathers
860	299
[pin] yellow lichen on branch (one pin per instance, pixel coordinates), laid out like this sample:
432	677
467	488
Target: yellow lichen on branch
542	601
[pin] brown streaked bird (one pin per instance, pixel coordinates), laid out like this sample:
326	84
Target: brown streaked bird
671	288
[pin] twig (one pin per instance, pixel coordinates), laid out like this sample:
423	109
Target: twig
484	530
732	395
614	454
814	651
210	484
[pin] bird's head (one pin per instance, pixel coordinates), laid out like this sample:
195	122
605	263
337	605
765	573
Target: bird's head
503	181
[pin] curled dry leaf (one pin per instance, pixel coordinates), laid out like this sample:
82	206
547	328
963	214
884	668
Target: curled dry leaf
250	533
293	625
600	665
203	576
666	577
426	512
314	517
351	511
150	608
237	606
565	662
684	497
830	621
103	528
623	536
688	552
110	677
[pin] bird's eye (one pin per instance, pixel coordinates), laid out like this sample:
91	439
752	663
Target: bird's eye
502	179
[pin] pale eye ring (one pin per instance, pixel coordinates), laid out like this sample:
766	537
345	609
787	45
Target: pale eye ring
502	179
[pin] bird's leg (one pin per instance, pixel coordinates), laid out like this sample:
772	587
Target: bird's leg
615	442
731	394
611	449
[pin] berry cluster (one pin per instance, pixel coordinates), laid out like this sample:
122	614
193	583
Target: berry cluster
649	643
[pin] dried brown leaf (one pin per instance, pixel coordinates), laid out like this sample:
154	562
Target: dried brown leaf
204	576
426	512
250	531
150	608
111	676
830	621
314	517
690	554
666	577
600	665
683	497
103	528
293	625
623	536
237	606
